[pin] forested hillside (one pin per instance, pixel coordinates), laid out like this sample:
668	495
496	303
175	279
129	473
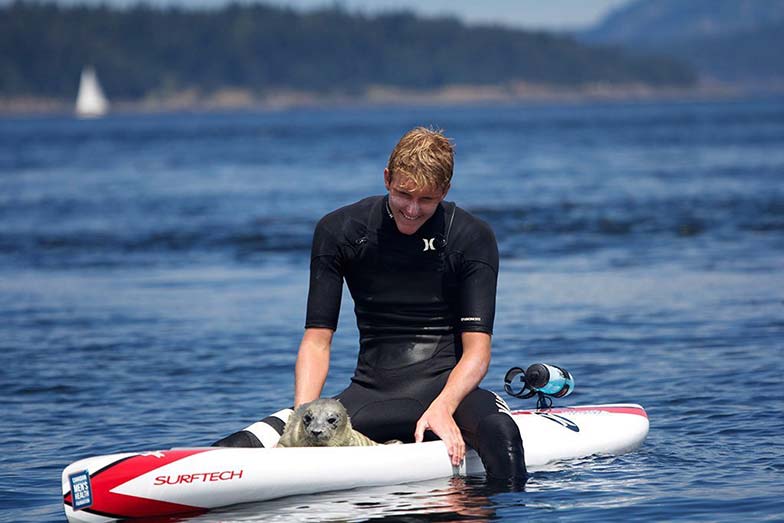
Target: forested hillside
143	50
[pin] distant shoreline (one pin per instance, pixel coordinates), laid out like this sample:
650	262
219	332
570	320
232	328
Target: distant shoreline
378	96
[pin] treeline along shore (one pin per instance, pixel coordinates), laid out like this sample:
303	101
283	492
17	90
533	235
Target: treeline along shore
240	53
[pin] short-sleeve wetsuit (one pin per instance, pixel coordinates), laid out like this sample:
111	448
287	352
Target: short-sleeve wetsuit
414	295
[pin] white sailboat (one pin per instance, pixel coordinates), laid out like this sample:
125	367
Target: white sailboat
90	102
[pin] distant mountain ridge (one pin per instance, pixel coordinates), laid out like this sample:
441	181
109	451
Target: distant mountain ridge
256	48
657	22
731	41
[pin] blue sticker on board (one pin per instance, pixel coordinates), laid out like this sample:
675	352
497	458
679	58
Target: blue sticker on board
81	492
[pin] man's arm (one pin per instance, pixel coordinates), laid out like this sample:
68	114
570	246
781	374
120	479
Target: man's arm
464	378
310	372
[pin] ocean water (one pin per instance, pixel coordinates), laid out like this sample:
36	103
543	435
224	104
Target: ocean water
153	273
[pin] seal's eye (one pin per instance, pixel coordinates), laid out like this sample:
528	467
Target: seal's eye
332	421
306	419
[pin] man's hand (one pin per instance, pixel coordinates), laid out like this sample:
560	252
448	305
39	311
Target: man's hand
438	419
464	378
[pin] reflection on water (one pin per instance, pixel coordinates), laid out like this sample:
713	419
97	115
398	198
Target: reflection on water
455	499
586	484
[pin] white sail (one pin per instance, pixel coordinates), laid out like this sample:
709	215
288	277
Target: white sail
90	102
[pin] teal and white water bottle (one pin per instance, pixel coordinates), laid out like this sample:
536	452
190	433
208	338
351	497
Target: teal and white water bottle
549	379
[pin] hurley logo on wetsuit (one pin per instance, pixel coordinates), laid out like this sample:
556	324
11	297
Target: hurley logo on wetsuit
429	244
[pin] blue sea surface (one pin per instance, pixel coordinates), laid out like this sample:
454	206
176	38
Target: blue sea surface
154	268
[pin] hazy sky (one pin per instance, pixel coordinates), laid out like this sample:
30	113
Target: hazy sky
545	14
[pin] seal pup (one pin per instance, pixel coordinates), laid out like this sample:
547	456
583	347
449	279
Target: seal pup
322	423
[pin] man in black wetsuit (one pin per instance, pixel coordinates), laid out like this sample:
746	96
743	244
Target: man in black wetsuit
422	273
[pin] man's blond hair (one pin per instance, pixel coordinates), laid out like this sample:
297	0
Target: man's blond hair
424	156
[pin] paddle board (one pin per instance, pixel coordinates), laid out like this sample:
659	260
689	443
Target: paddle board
195	480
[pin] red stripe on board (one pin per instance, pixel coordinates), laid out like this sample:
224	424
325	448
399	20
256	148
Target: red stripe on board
106	502
120	506
620	409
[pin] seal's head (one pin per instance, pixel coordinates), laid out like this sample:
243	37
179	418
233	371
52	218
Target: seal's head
322	421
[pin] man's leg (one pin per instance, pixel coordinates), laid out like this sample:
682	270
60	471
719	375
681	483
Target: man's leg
264	433
379	418
488	427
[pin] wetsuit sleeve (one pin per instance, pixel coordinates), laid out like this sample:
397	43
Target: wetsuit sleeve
478	281
326	279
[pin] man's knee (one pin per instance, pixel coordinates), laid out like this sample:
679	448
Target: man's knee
242	438
501	448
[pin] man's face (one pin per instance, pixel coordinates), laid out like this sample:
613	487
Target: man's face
411	207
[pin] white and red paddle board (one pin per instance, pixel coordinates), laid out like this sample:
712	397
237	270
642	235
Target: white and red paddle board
194	480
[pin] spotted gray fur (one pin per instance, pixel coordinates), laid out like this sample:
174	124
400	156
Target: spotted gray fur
322	423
